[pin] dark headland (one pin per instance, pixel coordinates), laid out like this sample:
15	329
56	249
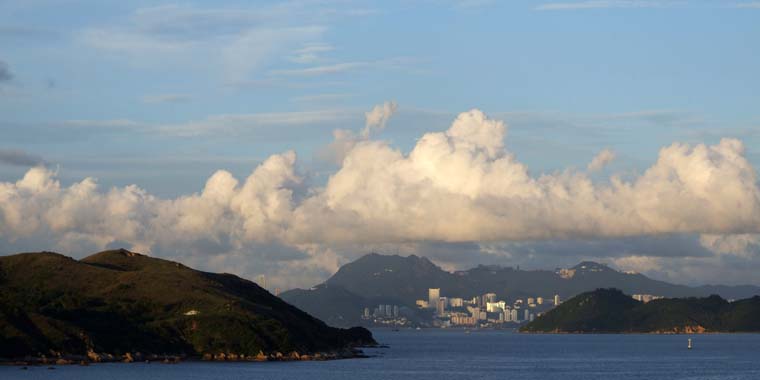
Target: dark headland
123	306
611	311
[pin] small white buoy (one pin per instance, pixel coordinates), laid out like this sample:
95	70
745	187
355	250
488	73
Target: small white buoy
689	346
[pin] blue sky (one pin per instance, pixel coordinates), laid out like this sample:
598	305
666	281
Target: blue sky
164	94
687	68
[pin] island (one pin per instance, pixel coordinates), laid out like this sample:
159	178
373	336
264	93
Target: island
612	311
124	306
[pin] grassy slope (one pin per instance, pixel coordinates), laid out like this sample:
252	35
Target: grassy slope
118	301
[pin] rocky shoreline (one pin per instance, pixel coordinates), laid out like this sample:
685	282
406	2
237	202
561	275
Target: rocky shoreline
93	358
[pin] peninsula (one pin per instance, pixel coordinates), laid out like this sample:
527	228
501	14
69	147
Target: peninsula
123	306
611	311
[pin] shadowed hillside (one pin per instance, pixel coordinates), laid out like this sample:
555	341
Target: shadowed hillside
119	301
611	311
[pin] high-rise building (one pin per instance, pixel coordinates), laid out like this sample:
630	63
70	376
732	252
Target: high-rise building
556	299
440	306
433	295
456	302
366	312
514	315
527	315
489	297
507	316
388	310
495	307
540	300
531	300
395	311
422	304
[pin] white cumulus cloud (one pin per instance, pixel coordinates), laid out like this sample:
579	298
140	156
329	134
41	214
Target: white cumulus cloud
601	160
457	186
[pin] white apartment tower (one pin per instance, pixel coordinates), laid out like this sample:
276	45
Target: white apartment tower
433	296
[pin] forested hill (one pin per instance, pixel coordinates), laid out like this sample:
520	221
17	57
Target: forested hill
118	301
611	311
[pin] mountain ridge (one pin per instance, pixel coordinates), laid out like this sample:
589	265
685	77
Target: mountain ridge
400	280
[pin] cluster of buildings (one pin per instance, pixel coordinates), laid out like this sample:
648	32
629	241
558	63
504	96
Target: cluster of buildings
387	315
484	310
645	297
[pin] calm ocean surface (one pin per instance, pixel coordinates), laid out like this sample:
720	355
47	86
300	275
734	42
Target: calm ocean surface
450	354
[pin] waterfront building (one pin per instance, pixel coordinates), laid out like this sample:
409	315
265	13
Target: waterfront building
462	319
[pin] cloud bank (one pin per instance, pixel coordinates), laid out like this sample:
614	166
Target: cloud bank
458	186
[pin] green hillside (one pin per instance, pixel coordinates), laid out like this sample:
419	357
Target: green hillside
119	301
611	311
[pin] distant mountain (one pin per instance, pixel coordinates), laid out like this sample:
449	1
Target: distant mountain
391	279
611	311
343	307
117	302
404	279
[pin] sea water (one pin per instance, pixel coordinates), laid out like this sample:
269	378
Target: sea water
480	354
